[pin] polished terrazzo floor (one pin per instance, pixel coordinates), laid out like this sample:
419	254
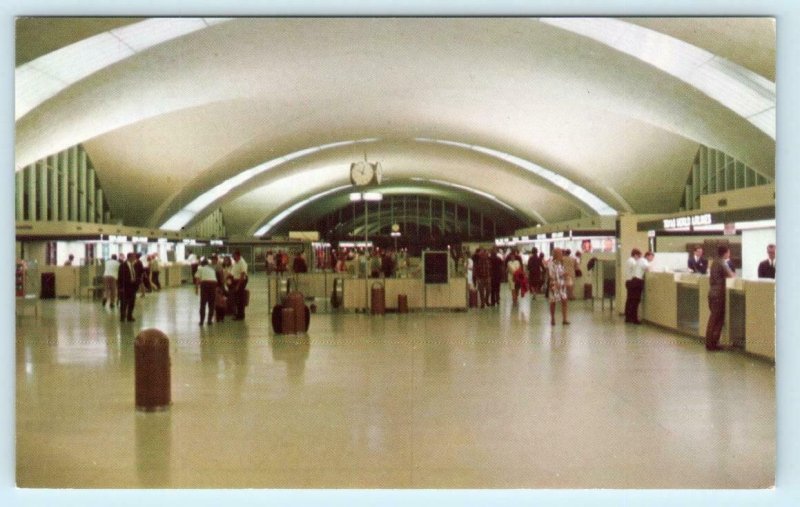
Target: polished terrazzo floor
493	398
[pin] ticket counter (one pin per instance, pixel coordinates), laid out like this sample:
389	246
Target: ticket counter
67	280
679	301
448	296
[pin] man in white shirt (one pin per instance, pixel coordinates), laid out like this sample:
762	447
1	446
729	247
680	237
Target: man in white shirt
110	282
634	283
239	274
206	279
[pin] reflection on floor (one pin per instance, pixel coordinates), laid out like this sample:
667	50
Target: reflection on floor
493	398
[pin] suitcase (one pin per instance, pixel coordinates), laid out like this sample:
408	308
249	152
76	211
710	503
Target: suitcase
473	297
587	291
296	302
378	299
402	303
307	321
277	311
288	321
48	286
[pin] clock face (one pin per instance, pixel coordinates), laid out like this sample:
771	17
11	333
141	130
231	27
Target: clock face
361	173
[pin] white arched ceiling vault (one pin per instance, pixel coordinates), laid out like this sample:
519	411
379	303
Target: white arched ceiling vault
170	122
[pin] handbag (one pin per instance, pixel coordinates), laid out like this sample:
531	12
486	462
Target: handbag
220	301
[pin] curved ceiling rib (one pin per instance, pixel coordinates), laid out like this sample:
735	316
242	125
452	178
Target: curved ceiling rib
580	193
744	92
50	74
189	212
204	200
277	218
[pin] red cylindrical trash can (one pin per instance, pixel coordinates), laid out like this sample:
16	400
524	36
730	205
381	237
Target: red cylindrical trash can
151	363
402	303
378	299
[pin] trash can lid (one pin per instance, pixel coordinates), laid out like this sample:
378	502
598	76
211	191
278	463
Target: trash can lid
150	337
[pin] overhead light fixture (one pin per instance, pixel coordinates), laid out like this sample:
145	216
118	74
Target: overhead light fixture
366	196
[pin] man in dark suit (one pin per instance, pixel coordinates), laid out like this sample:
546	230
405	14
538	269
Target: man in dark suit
766	269
497	274
697	263
127	282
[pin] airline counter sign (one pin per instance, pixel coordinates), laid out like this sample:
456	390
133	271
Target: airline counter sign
687	222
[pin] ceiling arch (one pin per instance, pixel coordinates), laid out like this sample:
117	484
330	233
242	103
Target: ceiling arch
190	112
425	152
320	204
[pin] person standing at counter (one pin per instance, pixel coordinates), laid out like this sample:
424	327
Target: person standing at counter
155	271
482	271
716	297
634	284
239	274
697	263
766	269
110	273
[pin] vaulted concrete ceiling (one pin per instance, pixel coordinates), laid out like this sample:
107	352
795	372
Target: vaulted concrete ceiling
481	103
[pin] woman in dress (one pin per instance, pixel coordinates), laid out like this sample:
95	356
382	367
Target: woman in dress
558	286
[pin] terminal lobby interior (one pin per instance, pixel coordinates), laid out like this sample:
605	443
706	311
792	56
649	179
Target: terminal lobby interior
176	135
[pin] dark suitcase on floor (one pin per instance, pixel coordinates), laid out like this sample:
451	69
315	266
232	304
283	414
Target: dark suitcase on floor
378	299
288	321
276	318
307	319
587	291
296	302
402	303
48	285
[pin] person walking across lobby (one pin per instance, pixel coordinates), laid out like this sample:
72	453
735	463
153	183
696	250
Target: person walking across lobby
716	297
558	287
206	278
766	269
127	283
